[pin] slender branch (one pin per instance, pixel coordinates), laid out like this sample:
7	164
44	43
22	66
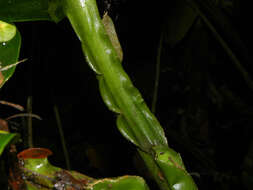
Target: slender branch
29	122
157	74
4	68
16	106
24	115
63	142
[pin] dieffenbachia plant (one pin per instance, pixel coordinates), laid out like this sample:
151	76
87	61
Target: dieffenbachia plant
134	119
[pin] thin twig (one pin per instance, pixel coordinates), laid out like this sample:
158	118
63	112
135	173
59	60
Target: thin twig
157	74
64	147
16	106
24	115
29	122
11	65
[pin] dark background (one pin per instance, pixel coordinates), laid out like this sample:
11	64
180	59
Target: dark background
56	74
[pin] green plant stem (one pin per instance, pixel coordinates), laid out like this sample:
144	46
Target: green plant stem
154	170
63	142
100	53
135	121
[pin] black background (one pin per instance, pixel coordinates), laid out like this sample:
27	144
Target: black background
56	74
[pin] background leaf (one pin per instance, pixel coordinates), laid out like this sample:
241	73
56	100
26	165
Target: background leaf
27	10
179	20
9	53
7	31
5	139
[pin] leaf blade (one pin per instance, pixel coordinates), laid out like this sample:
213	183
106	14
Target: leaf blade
9	53
5	139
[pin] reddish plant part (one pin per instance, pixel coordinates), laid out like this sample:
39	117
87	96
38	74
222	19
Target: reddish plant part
15	180
16	106
71	180
34	153
160	175
4	125
24	115
1	78
66	179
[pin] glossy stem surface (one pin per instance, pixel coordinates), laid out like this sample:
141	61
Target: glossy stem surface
134	120
99	52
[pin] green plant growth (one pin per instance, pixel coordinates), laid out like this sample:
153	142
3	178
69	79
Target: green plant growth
38	173
10	41
135	121
6	139
205	31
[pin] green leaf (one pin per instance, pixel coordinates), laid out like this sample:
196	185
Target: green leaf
55	10
9	53
126	131
107	96
7	31
5	139
120	183
30	10
154	170
171	164
180	19
90	60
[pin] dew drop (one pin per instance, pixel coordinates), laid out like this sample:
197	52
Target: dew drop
3	43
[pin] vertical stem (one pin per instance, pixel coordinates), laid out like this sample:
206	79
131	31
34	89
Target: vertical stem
157	74
63	142
154	170
101	55
135	120
29	122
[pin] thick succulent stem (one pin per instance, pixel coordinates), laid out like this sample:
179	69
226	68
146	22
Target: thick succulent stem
115	83
134	119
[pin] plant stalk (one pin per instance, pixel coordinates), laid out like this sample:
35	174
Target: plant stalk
157	72
134	120
102	57
63	142
29	122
